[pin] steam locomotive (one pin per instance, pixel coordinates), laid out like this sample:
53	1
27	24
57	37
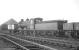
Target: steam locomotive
48	29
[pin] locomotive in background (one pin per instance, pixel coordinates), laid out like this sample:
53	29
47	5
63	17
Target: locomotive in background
38	28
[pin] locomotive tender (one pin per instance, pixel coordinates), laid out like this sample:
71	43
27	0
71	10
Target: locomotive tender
38	27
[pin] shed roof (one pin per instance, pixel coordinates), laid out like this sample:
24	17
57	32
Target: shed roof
11	21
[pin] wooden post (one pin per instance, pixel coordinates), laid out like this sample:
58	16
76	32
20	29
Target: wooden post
34	33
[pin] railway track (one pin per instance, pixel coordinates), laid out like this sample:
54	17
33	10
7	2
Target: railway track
67	45
64	44
25	44
4	45
18	46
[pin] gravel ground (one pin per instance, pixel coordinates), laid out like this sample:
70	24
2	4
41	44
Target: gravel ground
5	45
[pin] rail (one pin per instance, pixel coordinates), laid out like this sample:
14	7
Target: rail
46	41
20	41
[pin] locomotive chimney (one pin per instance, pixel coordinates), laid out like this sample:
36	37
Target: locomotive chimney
22	20
27	19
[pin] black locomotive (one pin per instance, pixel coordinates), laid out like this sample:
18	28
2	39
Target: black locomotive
38	28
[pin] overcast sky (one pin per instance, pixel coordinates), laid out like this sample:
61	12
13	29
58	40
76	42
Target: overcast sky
47	9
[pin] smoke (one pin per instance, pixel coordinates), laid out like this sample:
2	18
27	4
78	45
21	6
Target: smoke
77	3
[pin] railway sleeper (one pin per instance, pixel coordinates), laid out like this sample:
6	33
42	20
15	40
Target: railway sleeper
10	38
32	47
65	44
61	45
29	47
55	43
